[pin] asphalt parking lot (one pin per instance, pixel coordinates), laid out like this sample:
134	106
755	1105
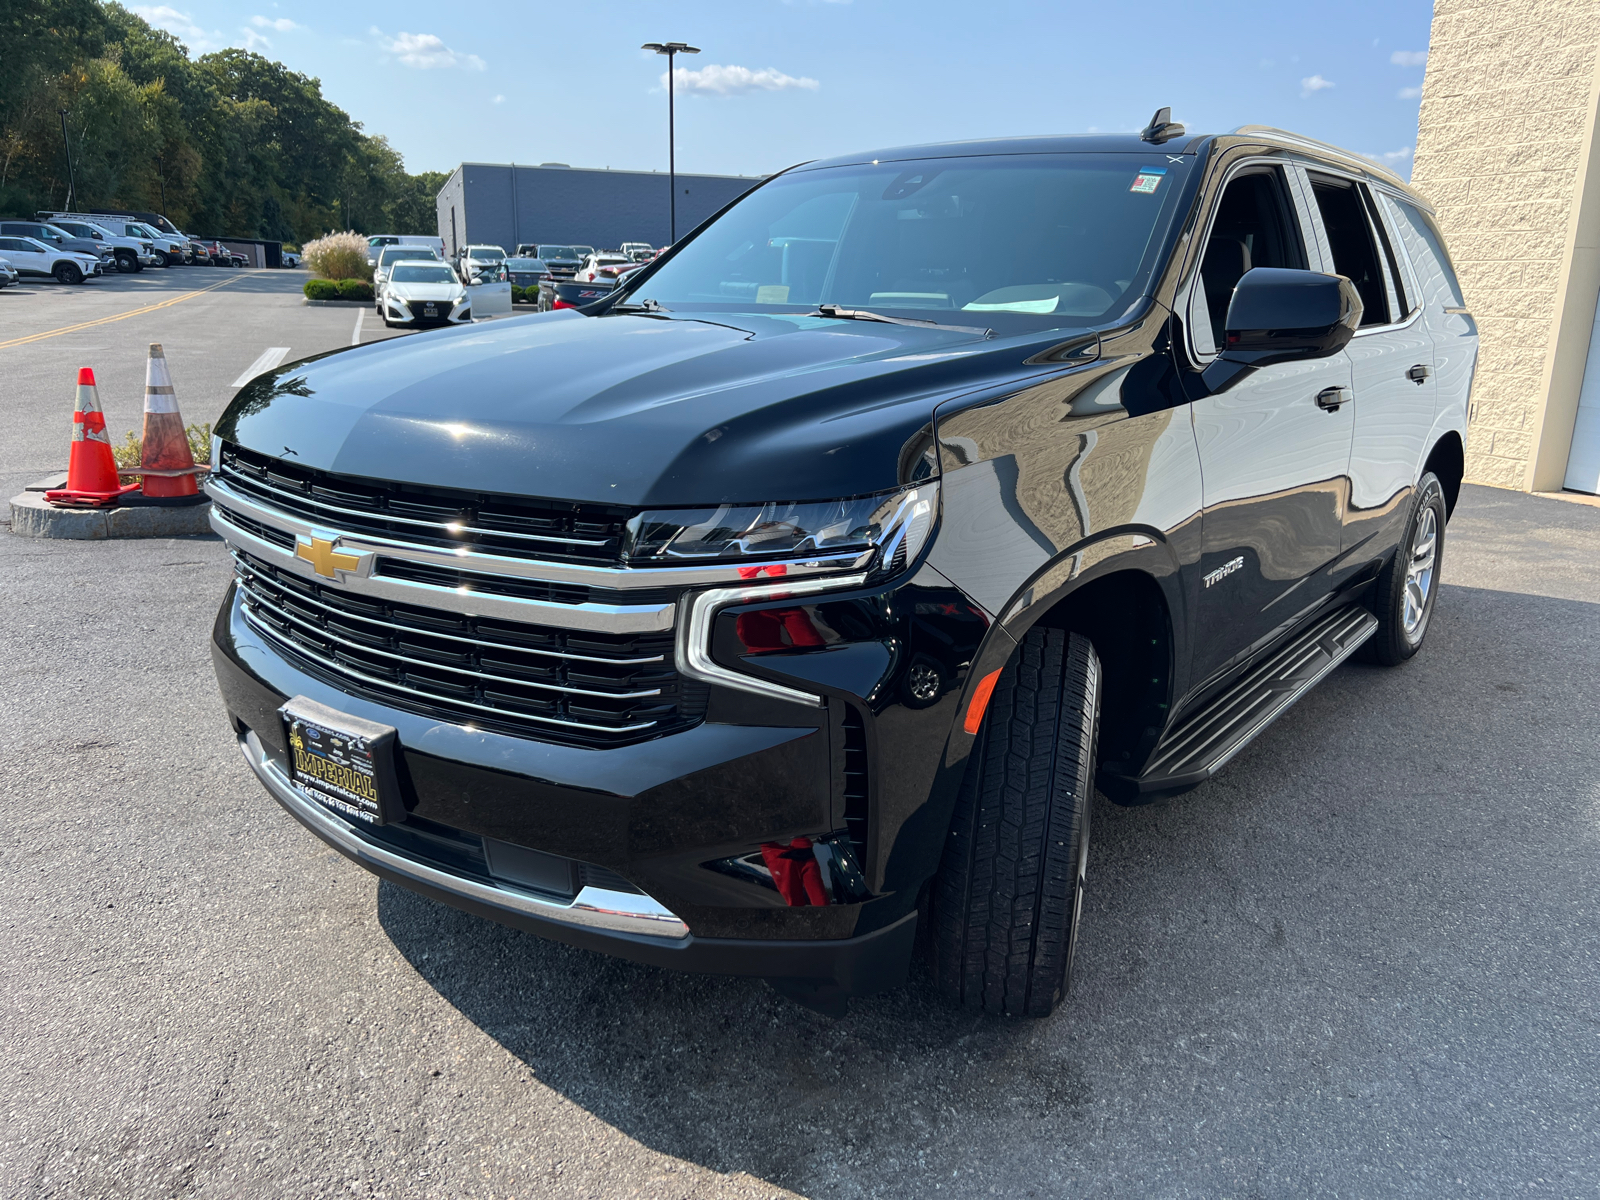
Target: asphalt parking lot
1363	963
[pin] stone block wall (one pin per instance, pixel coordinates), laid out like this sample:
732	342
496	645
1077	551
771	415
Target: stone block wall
1501	147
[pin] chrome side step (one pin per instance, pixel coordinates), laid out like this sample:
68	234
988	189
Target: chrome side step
1204	742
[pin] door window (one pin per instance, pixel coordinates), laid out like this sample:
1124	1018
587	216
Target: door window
1254	227
1355	253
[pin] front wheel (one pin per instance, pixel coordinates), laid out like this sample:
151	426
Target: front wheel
67	273
127	262
1408	586
1009	893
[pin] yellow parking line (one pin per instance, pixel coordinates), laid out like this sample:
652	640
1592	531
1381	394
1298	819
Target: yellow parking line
36	337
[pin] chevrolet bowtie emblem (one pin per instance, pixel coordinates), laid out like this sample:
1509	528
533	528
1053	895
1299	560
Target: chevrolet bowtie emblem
324	559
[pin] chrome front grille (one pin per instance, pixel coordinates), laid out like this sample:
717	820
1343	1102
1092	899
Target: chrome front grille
573	686
436	517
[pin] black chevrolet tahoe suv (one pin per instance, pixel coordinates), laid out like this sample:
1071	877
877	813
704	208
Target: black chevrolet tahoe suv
803	591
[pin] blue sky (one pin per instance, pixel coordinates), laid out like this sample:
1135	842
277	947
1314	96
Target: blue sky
781	81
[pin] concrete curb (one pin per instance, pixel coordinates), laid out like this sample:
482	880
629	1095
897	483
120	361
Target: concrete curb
33	516
338	303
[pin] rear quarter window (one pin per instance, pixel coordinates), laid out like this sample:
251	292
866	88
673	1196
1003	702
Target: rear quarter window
1425	247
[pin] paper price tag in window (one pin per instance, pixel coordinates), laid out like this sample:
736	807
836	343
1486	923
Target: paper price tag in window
1148	180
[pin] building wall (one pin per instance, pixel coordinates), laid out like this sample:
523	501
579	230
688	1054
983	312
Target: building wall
501	205
452	205
1505	144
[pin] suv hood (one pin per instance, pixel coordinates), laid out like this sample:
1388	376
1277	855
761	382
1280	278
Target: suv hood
628	410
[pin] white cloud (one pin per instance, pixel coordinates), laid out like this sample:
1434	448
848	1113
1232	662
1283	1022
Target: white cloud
281	24
1409	93
1315	83
181	25
715	80
252	39
1393	158
1409	58
426	51
498	100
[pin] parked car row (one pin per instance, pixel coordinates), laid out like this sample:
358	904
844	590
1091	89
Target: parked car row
72	247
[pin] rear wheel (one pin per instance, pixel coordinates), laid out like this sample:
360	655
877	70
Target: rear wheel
66	272
1408	586
1009	893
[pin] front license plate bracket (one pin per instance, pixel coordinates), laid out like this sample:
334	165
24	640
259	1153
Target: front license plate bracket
344	763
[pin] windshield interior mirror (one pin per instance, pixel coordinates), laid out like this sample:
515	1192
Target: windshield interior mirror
1282	315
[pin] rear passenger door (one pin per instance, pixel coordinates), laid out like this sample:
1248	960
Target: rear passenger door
1273	459
1391	365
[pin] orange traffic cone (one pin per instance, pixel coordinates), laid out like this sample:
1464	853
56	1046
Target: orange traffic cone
91	471
166	445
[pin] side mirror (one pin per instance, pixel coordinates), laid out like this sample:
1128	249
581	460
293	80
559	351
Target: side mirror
1279	315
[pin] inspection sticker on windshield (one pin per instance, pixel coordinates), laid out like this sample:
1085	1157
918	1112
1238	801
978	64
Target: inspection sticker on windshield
1148	180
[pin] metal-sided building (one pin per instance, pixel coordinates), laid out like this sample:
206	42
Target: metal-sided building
504	204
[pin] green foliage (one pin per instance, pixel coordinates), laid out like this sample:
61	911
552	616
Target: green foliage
519	295
229	143
321	289
129	453
354	289
338	256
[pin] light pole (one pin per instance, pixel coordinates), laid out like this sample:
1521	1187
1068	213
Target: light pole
670	49
72	182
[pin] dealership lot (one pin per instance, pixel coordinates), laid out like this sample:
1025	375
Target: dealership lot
1362	962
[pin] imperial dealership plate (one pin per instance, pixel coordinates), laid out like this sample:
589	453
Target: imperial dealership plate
343	762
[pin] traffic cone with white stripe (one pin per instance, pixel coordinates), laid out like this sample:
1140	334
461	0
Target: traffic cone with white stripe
166	445
92	470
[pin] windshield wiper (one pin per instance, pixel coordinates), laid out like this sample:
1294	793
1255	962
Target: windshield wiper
648	306
862	314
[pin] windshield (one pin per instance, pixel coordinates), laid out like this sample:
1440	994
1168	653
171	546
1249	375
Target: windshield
395	254
1045	240
381	241
408	273
146	231
487	253
549	252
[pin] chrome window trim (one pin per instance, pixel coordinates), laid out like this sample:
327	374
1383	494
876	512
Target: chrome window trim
591	908
606	618
614	578
694	633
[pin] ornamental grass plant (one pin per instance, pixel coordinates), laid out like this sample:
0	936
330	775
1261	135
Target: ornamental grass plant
338	256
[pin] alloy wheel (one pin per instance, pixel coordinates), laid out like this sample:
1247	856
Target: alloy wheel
1419	574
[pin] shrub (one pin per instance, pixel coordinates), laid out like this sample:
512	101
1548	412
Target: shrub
519	295
338	256
321	289
129	453
355	289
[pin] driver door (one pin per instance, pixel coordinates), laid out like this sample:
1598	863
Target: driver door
1274	447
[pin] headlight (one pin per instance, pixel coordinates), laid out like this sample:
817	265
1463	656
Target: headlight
895	524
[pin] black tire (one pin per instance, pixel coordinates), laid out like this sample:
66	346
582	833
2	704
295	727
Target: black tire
1399	636
66	272
127	261
1006	903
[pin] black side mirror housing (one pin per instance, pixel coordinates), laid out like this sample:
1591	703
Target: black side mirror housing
1280	315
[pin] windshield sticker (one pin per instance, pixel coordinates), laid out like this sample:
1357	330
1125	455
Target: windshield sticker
1147	180
772	293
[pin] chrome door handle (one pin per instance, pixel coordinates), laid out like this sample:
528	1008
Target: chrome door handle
1329	399
1419	373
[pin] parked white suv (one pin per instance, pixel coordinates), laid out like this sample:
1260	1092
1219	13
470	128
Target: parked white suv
32	257
486	261
131	254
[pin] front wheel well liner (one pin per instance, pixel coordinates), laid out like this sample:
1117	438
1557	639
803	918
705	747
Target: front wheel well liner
1126	616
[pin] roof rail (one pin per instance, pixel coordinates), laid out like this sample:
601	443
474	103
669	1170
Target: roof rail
1297	139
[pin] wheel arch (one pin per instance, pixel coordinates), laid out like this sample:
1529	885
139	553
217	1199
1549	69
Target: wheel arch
1128	605
1448	461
